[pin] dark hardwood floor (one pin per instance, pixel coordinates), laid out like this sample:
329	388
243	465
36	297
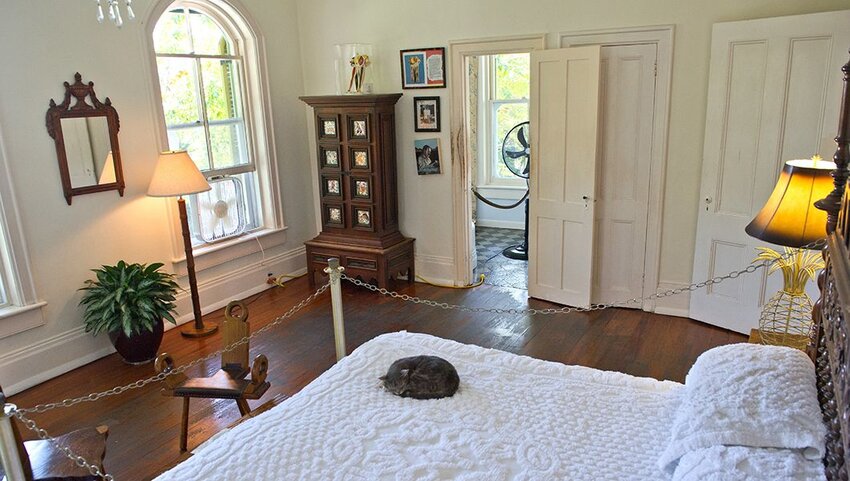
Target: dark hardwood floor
143	424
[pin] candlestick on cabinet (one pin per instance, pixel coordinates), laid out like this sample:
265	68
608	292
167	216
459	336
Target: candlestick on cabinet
177	175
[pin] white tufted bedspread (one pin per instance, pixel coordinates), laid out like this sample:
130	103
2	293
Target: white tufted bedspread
513	418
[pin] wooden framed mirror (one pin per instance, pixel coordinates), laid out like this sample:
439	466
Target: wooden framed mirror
86	136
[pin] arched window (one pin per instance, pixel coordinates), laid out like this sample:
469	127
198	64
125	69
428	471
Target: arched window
204	84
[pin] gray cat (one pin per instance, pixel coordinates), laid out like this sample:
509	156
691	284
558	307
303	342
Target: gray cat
421	377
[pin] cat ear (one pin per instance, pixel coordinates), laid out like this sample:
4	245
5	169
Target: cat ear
382	378
404	373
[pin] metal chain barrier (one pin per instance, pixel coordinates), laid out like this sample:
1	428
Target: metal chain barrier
818	244
21	413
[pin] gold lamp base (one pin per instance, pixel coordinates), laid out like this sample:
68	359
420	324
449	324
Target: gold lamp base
786	319
206	330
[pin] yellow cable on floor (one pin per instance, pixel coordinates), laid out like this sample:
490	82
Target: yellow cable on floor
279	280
470	286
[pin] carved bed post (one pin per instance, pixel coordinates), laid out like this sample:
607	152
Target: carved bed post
334	271
832	202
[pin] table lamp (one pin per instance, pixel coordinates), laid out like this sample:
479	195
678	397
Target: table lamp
790	219
177	175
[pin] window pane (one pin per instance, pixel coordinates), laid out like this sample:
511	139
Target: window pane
506	116
178	85
171	34
222	90
228	145
193	140
512	76
207	37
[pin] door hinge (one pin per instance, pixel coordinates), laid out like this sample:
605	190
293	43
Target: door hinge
655	69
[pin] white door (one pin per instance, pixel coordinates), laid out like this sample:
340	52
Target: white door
564	117
628	100
773	95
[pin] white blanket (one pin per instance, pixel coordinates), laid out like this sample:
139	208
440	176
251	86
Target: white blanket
739	463
514	418
748	395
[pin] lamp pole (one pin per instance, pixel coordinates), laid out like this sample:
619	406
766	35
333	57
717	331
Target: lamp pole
198	329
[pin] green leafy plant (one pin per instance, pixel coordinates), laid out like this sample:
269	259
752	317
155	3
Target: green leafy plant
128	297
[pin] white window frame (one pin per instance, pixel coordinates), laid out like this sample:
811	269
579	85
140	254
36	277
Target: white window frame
258	125
21	311
489	184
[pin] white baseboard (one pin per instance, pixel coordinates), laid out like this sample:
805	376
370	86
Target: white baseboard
676	305
437	269
30	365
500	224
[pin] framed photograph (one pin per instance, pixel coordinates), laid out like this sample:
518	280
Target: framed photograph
427	156
333	215
359	159
328	128
329	157
427	114
423	68
363	217
361	188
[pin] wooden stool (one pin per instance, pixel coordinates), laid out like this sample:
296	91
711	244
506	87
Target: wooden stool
230	381
43	461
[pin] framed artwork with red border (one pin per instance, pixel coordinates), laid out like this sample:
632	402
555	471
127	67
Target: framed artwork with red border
423	68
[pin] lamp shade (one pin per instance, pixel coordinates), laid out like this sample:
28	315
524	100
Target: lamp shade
176	174
789	217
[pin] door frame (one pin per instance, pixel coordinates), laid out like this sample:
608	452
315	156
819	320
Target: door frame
662	36
461	167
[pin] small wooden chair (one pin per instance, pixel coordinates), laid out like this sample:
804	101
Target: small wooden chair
230	381
41	460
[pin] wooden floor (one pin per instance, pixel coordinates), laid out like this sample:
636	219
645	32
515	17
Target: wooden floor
144	425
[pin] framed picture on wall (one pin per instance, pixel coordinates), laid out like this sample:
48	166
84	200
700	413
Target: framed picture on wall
423	68
427	114
427	156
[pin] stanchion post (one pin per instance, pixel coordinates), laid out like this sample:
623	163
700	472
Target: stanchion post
9	450
334	271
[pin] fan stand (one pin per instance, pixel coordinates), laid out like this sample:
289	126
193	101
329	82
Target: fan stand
520	251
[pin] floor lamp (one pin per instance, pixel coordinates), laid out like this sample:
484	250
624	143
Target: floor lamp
177	175
790	219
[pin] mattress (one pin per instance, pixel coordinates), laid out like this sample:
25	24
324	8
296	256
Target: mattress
513	418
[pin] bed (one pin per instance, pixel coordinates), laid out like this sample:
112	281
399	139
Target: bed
745	411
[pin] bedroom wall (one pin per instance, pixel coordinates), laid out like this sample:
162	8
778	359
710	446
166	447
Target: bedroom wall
45	42
426	202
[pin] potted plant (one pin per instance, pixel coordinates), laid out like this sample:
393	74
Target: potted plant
130	303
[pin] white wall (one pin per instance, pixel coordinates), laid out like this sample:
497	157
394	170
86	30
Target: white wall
45	42
391	25
487	216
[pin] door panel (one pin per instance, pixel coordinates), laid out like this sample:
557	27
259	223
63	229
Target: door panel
772	89
628	100
564	117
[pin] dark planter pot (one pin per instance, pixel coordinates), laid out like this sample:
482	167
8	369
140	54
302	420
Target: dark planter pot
140	348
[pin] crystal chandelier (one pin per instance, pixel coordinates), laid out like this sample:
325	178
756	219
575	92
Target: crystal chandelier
114	11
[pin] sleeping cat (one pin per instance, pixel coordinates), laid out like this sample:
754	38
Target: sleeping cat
421	377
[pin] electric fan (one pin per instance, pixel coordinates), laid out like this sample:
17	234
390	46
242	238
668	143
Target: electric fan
515	154
221	210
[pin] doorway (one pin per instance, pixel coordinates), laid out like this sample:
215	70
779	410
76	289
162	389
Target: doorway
497	112
629	166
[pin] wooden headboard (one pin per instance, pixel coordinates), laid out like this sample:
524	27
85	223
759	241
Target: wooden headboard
830	347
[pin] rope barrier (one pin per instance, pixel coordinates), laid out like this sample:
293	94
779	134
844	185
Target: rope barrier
499	206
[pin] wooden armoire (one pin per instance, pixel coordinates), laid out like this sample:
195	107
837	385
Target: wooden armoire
356	155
